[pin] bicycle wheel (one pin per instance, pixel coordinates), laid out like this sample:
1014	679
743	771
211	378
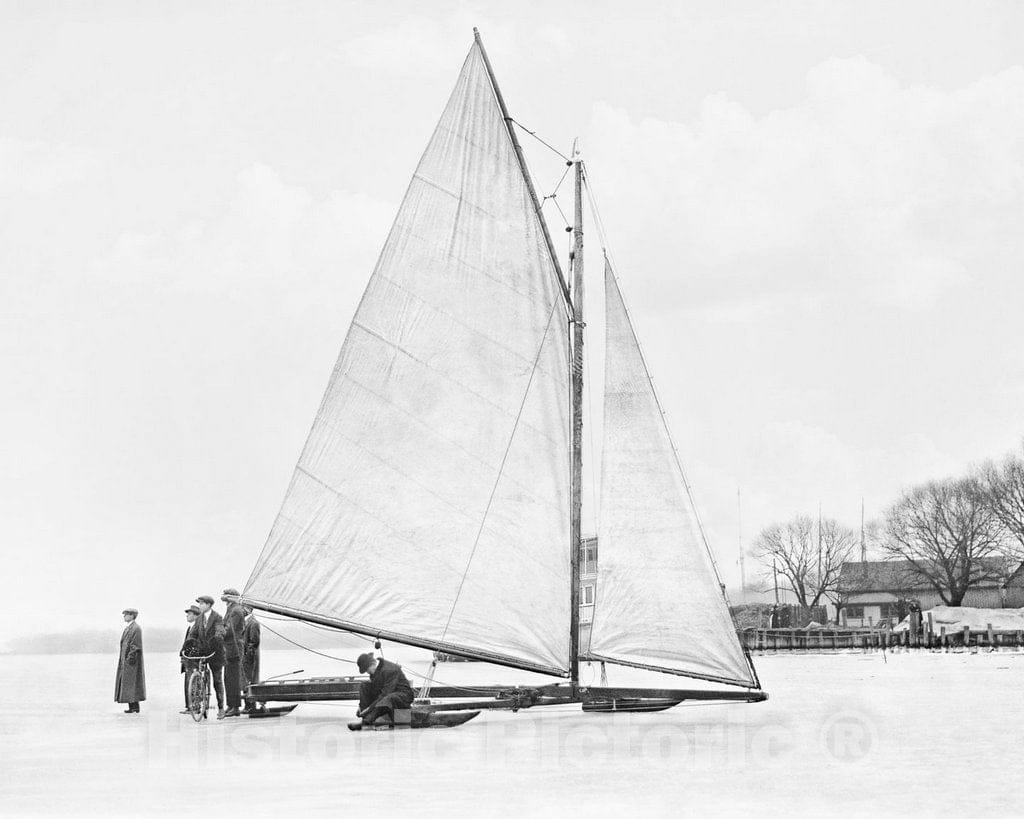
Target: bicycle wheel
196	696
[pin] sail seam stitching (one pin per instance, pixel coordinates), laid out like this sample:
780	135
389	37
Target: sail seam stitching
501	469
392	466
476	269
447	377
444	438
455	320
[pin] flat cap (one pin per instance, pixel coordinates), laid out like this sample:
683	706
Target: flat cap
365	661
205	598
132	612
229	593
193	609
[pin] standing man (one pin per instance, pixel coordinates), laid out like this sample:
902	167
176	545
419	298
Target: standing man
187	666
234	622
208	630
250	655
130	685
385	690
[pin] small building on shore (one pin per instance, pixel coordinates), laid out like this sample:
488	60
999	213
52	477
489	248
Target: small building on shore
877	592
1014	589
588	588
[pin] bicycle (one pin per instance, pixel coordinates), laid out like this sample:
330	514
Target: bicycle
198	686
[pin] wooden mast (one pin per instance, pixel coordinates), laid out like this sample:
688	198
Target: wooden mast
577	424
574	302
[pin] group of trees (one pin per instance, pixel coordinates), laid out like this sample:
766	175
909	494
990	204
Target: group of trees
947	531
808	554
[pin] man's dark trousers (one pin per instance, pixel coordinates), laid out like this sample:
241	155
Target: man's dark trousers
217	670
233	681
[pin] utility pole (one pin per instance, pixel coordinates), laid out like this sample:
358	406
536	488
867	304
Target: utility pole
863	545
739	527
818	582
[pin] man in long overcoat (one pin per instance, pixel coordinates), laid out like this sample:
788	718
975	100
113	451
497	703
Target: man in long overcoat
250	655
208	630
385	690
234	623
130	685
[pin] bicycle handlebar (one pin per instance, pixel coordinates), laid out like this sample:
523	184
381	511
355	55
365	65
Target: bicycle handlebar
205	657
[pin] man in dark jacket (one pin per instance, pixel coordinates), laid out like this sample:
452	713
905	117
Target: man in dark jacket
234	622
208	630
130	685
384	691
250	655
187	666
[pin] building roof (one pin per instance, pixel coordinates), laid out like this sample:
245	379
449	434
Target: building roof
1017	578
901	576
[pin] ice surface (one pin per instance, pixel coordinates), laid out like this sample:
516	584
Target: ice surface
841	734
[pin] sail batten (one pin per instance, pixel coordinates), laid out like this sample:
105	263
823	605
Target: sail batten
430	501
659	603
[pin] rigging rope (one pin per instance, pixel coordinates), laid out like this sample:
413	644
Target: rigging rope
568	166
552	196
307	648
554	193
541	141
331	629
501	470
598	222
561	212
466	688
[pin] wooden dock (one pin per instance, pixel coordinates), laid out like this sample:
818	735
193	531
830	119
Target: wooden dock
840	639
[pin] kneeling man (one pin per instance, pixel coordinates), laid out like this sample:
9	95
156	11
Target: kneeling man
384	691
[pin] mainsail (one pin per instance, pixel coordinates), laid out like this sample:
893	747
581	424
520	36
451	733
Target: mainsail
659	604
431	501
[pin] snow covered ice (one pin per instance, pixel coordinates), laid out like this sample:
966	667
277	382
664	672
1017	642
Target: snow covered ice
907	734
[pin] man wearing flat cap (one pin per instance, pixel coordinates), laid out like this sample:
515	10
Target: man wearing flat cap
208	631
189	648
250	654
385	690
234	624
130	685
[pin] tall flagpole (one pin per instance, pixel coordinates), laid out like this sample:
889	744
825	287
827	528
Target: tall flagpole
575	539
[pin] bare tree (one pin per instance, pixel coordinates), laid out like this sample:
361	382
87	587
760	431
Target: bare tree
1003	486
809	564
946	530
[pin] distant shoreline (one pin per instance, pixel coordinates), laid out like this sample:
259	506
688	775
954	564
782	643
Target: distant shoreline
157	639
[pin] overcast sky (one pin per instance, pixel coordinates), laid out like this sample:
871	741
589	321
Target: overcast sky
816	211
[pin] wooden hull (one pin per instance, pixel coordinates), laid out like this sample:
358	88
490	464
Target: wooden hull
323	689
634	704
275	711
422	719
445	657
